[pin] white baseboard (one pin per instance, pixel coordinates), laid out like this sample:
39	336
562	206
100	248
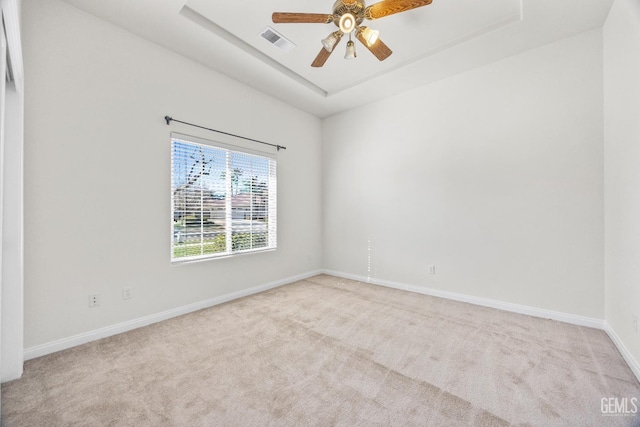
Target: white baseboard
65	343
485	302
506	306
633	363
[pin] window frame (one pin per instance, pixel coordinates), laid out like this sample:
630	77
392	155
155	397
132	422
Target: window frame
230	231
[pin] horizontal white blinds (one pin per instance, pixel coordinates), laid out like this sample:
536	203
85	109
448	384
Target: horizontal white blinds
223	201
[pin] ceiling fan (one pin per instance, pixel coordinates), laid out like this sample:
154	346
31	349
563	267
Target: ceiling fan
347	16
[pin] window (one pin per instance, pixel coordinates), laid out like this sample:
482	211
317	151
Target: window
223	200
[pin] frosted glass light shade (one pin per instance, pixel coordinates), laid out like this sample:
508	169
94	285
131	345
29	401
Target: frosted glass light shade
329	42
351	50
370	36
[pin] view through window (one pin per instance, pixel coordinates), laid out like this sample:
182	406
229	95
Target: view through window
223	200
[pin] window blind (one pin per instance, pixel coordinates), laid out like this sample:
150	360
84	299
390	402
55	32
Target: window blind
223	200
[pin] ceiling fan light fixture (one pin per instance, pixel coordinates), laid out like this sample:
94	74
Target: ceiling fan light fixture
347	23
370	36
330	41
351	50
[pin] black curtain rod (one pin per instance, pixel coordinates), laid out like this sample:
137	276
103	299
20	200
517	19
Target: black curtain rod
170	119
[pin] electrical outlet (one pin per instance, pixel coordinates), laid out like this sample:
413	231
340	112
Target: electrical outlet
126	293
94	300
432	269
635	323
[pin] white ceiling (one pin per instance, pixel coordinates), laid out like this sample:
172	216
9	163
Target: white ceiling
429	43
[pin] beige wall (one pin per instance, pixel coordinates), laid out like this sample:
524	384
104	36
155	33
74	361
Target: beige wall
495	176
97	175
622	172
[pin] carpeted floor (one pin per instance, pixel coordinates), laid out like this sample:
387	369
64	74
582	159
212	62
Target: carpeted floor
328	351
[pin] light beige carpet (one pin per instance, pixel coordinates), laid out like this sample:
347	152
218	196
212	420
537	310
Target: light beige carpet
328	351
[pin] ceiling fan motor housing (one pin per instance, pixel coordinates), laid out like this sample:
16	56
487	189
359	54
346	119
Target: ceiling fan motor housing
347	16
356	8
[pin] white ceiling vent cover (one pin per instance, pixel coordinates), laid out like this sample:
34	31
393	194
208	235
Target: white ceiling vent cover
277	39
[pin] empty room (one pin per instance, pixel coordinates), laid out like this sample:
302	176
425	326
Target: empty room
320	213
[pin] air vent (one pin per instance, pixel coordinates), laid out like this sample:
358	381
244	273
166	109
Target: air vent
277	39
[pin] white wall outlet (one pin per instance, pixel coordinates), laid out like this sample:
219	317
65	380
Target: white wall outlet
126	293
432	269
94	300
635	323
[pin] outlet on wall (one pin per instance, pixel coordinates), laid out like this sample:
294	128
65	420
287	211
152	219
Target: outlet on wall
635	323
432	269
126	293
94	300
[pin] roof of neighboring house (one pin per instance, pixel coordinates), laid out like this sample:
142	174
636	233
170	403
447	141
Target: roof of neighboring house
237	201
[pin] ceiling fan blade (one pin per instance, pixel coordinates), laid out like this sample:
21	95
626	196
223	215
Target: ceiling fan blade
301	18
324	55
390	7
379	49
321	58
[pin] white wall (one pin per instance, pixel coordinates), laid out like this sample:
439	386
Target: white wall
12	240
11	330
3	70
495	176
97	175
622	172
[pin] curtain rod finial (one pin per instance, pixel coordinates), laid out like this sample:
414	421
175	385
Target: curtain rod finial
168	119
